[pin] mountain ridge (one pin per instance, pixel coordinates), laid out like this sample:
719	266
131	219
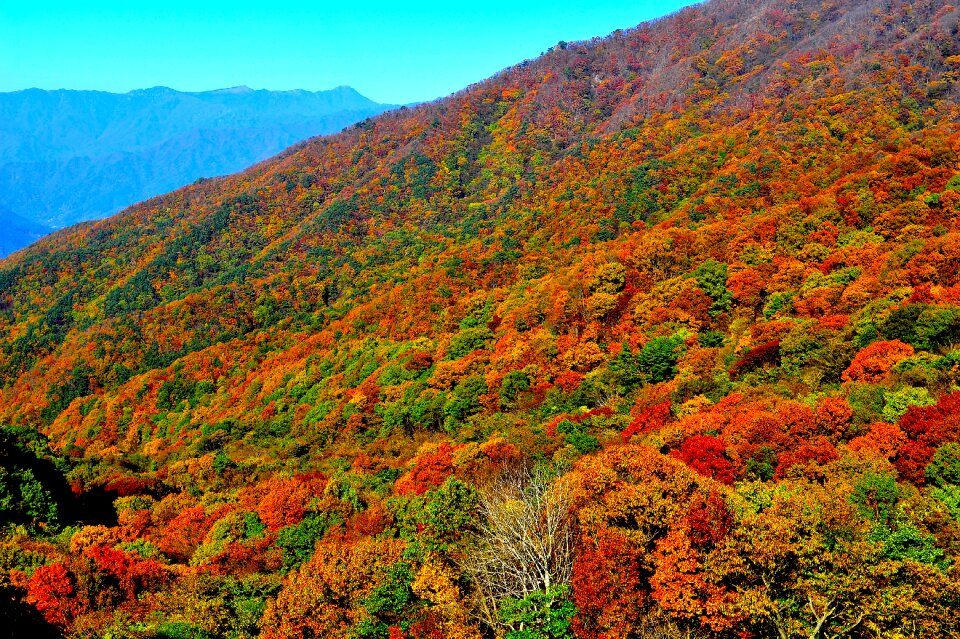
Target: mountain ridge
702	275
116	149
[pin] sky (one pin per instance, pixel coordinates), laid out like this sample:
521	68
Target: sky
393	52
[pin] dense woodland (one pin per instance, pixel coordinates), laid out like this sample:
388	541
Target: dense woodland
655	336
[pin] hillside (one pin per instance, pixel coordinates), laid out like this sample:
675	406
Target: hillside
653	336
69	156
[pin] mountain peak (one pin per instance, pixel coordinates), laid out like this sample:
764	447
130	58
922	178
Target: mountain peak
238	90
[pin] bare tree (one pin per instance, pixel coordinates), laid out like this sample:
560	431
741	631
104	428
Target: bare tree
526	538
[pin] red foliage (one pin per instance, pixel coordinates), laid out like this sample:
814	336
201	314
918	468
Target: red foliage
286	500
430	627
882	439
419	361
935	424
800	419
746	287
371	522
125	486
818	451
431	470
758	357
502	453
134	574
834	322
652	419
704	454
364	463
608	586
833	417
912	460
568	381
709	520
182	534
51	590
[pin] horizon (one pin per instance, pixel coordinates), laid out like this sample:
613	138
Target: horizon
387	53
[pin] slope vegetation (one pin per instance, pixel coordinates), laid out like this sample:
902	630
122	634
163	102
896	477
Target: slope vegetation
700	278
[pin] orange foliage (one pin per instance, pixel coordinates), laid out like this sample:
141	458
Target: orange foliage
874	362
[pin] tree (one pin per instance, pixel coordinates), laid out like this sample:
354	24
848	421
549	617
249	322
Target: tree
658	359
704	454
522	556
874	362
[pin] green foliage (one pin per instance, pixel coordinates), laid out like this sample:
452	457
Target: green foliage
467	341
711	277
711	339
906	543
577	436
657	361
949	496
298	542
763	465
938	326
896	403
625	369
944	469
174	391
540	615
222	463
465	398
32	484
902	324
440	517
253	528
876	496
386	603
778	304
180	630
514	383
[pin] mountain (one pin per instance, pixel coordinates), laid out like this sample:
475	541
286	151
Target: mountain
17	232
652	336
70	156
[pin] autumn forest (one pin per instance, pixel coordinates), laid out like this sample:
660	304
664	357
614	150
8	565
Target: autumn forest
656	336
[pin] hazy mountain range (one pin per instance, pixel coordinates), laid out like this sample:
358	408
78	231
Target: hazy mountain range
69	156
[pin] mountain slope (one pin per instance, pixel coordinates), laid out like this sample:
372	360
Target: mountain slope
69	156
708	269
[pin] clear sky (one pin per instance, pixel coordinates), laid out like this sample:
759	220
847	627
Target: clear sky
395	52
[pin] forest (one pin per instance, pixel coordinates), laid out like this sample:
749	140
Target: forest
656	336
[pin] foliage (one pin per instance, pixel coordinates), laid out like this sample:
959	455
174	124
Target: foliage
694	284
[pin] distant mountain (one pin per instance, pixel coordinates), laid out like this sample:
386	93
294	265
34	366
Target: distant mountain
69	156
16	232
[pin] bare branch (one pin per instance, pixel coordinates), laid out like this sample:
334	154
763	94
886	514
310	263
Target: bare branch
526	538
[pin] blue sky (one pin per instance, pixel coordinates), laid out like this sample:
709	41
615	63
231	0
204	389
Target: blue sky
395	52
